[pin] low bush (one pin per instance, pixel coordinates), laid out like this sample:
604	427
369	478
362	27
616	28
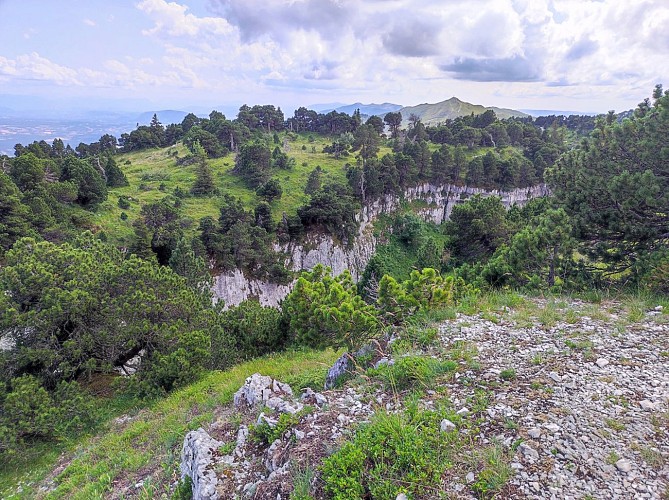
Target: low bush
28	412
395	453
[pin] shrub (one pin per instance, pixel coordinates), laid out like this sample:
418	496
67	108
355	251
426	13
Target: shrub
423	290
81	308
183	490
246	331
163	372
343	472
655	272
28	412
263	433
326	311
394	453
123	202
409	371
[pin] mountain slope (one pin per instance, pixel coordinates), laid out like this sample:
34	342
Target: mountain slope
369	109
431	114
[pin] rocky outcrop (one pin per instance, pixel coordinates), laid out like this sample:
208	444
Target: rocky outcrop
246	470
440	200
263	390
233	287
436	204
197	460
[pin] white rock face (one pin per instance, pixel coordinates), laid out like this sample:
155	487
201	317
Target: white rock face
233	287
6	343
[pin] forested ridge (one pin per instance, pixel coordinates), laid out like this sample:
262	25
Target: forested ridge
105	260
224	180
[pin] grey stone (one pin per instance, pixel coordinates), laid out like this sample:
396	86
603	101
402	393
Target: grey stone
274	456
552	427
470	477
529	452
534	433
242	435
447	425
624	465
312	397
383	361
647	405
259	389
262	418
602	362
254	391
279	404
338	370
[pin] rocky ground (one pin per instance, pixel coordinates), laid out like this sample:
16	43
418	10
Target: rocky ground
577	395
589	398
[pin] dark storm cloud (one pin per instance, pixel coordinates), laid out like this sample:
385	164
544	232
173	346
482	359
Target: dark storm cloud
256	18
414	39
509	69
581	49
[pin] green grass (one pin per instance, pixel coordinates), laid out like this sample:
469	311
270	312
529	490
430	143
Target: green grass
494	301
496	470
303	478
614	424
37	459
148	448
412	372
147	170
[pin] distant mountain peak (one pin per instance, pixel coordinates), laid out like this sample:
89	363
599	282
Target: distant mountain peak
432	114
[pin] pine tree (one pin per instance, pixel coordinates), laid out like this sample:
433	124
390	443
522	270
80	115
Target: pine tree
204	182
115	177
184	262
314	181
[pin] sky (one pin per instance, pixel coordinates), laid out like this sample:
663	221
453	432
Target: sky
581	55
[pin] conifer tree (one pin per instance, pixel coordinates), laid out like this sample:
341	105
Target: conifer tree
204	182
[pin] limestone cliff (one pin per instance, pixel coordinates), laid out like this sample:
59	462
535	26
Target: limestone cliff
436	205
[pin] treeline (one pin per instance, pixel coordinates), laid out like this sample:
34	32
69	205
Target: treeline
516	153
581	124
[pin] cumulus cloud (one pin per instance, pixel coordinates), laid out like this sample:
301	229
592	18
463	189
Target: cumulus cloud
510	69
583	48
275	18
35	67
89	22
173	19
416	50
